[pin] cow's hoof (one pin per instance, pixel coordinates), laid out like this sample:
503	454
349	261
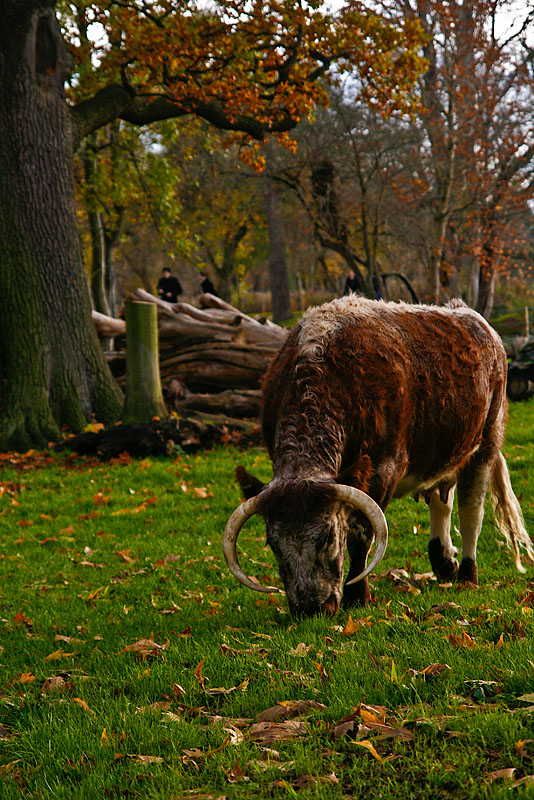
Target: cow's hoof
468	572
356	595
444	568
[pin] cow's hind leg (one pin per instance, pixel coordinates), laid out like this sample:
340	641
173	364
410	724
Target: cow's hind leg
441	550
472	487
359	540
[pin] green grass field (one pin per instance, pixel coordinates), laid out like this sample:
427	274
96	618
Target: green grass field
132	664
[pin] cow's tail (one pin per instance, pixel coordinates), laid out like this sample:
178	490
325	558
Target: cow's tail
508	514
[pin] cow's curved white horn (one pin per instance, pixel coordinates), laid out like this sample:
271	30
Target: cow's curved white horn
375	515
231	532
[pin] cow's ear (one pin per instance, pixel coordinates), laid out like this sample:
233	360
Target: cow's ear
250	485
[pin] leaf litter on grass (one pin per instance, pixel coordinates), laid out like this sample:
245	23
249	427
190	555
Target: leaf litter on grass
393	674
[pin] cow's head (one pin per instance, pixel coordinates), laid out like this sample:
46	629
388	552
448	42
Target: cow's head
307	526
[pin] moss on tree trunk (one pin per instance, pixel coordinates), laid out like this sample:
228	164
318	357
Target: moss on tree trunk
52	370
143	397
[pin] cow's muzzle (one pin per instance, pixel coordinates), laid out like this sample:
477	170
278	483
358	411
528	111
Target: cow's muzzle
345	494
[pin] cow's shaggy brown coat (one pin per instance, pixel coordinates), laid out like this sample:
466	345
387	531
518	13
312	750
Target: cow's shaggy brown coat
391	399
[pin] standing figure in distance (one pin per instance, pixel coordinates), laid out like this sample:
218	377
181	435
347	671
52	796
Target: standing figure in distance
351	283
168	286
206	285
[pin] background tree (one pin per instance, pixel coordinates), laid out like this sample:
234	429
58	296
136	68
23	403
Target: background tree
125	185
219	205
241	66
475	130
343	171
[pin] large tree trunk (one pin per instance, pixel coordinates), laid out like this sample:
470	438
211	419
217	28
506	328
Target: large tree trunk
52	369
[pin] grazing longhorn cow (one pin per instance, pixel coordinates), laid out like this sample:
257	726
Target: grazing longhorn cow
367	401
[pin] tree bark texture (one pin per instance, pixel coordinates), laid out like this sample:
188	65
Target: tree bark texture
52	368
277	253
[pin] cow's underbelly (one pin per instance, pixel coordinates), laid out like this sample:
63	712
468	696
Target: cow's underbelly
409	484
422	475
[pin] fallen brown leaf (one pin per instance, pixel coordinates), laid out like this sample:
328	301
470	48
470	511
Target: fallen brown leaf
83	705
146	759
21	619
369	746
435	669
264	765
375	714
26	677
86	563
520	747
309	781
68	639
126	556
123	459
146	647
464	640
5	769
267	732
300	650
241	687
506	774
289	709
159	705
528	780
201	492
54	685
354	625
198	674
57	655
322	672
100	499
236	774
227	722
386	731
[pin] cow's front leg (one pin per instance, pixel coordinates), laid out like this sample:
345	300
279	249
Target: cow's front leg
441	550
472	487
359	540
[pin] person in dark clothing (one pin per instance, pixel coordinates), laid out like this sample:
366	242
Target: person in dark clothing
206	285
168	286
351	284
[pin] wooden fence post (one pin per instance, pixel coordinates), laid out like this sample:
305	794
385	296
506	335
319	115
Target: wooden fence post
143	396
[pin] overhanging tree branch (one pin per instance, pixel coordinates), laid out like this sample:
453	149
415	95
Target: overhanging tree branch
115	101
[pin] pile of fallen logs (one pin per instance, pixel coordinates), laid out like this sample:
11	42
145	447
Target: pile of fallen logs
212	358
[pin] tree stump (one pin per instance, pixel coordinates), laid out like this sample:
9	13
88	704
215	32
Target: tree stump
143	397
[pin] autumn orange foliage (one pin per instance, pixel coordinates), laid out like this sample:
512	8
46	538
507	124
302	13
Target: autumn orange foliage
252	67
